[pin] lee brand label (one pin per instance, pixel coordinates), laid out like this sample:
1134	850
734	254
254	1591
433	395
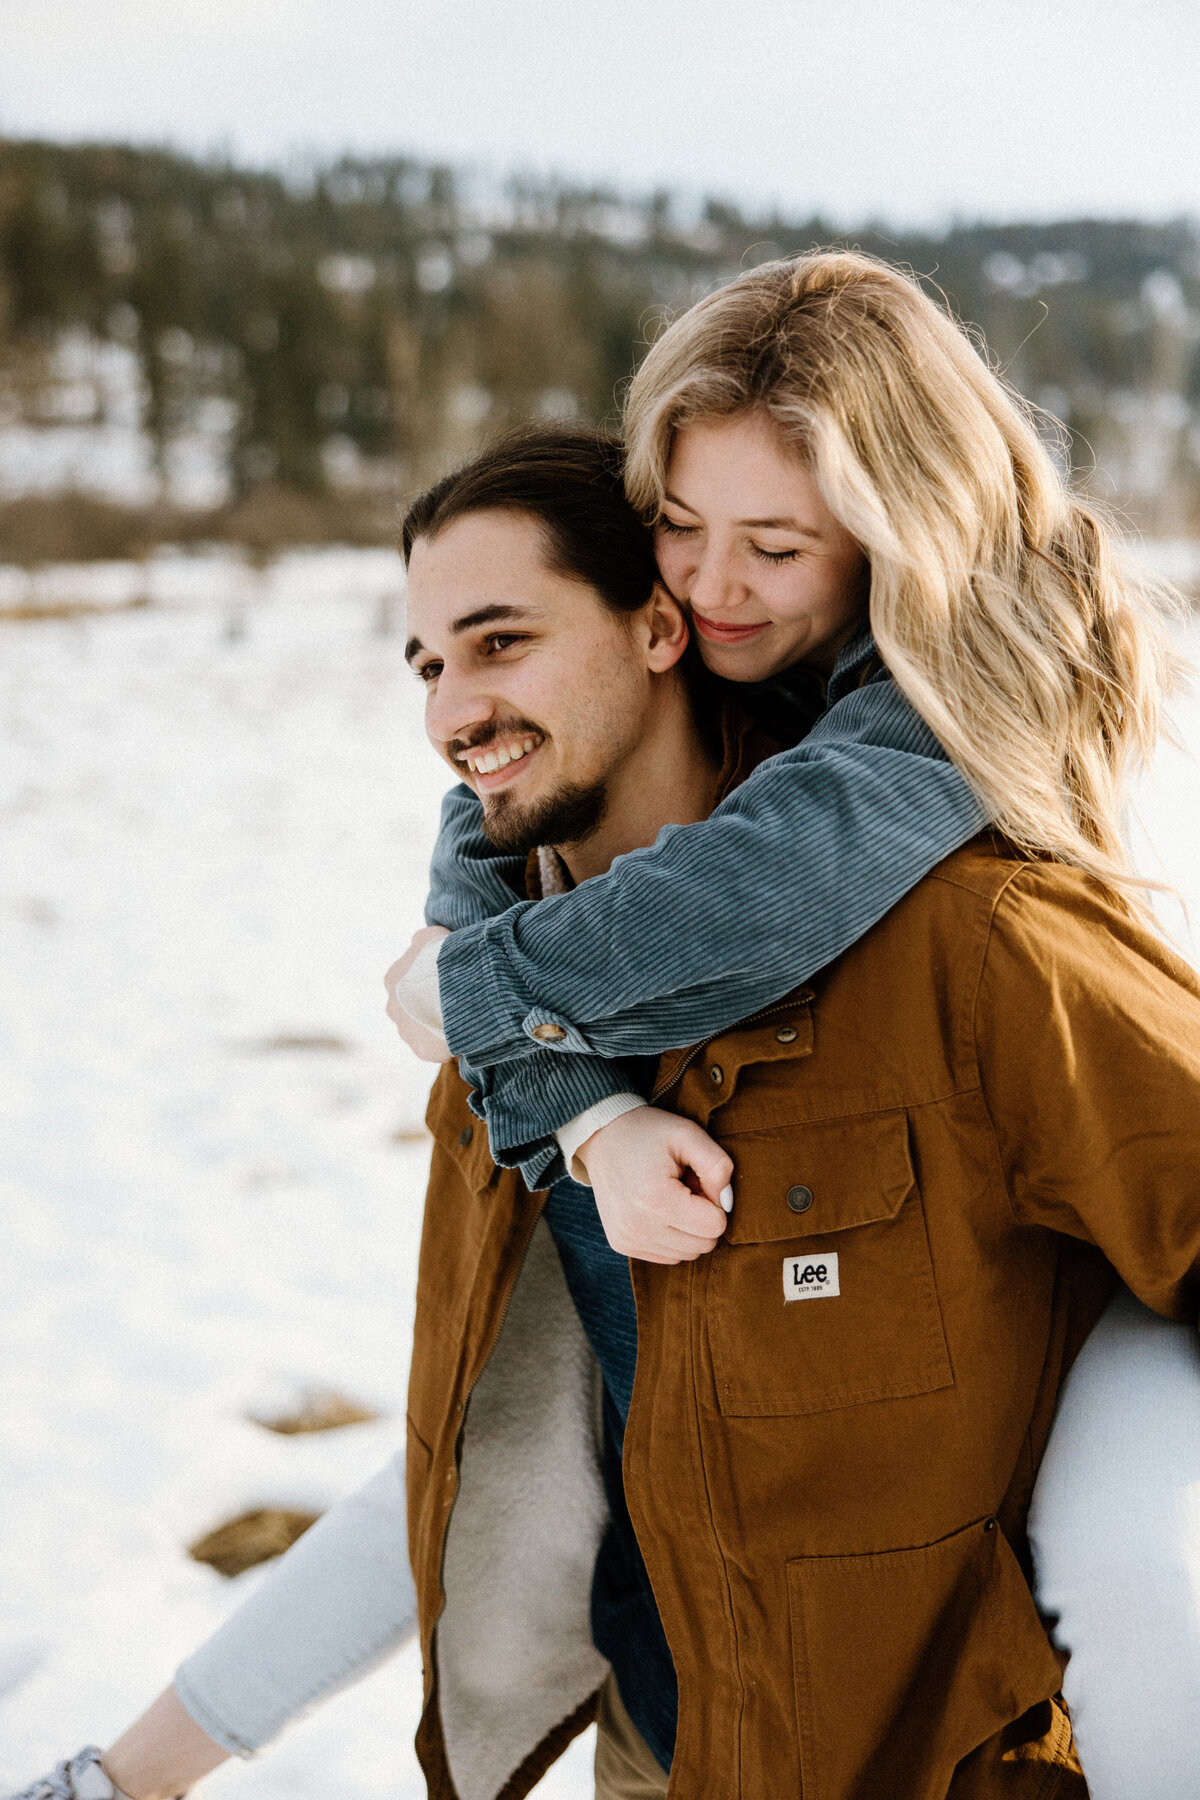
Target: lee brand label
810	1277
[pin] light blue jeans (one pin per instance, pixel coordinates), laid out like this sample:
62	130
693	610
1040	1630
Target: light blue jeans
337	1605
1115	1528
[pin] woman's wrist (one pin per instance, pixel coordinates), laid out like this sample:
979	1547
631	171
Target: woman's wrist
163	1753
579	1131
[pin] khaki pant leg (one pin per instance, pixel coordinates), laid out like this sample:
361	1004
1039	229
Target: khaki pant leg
626	1767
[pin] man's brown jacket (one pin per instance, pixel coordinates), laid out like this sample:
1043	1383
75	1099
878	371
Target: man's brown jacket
943	1148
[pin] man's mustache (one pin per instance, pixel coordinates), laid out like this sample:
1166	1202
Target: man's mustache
495	728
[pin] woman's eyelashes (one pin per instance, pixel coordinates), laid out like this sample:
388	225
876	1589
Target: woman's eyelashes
673	528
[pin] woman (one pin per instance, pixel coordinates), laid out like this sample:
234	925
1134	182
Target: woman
993	606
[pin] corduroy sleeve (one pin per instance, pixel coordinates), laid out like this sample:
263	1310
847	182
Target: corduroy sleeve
470	881
718	919
1088	1039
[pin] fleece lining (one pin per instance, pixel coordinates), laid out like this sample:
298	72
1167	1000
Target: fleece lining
514	1647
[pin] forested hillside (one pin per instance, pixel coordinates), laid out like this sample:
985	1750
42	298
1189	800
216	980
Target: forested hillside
337	334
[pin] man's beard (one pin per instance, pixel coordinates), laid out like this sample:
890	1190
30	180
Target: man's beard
567	816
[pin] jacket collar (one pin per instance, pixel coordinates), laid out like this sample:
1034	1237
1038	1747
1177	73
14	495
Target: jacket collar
744	744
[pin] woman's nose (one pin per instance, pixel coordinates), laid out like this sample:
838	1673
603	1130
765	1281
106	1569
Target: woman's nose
714	586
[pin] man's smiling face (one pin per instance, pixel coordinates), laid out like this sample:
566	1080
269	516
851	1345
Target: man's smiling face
537	694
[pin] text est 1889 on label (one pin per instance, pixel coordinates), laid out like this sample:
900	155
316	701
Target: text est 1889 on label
811	1277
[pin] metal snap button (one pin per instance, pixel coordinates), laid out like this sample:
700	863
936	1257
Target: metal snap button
787	1034
799	1198
549	1034
716	1074
989	1524
465	1136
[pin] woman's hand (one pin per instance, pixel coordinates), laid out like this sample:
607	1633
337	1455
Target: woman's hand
420	1033
662	1185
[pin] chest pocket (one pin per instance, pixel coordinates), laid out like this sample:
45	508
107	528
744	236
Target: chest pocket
821	1293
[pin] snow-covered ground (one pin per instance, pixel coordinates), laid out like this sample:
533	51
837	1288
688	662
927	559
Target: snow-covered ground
217	813
216	825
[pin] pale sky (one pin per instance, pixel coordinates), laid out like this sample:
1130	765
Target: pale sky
909	110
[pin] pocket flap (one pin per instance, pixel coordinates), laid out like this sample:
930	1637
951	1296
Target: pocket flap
807	1180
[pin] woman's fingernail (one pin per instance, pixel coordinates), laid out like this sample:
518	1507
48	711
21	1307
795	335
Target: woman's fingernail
727	1199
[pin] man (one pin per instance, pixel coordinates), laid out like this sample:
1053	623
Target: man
566	703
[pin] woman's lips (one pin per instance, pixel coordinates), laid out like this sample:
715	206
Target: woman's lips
717	633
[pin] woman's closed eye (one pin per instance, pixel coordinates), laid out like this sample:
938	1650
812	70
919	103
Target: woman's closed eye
673	528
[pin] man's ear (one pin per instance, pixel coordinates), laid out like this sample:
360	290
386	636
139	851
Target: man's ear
668	630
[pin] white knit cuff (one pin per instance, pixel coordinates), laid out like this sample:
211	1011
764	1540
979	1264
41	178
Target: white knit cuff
578	1130
417	989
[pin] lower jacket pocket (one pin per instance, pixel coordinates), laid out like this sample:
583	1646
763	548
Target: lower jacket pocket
907	1660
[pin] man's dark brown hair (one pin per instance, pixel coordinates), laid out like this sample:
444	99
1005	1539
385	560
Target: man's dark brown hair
568	478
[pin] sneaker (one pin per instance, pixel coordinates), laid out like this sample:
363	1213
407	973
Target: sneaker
79	1778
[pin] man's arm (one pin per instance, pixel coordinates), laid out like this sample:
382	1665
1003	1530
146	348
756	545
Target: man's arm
1088	1039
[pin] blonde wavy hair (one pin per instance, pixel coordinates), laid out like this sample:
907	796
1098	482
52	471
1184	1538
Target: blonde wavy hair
999	600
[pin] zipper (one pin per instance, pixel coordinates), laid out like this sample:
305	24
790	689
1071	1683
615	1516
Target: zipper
805	997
